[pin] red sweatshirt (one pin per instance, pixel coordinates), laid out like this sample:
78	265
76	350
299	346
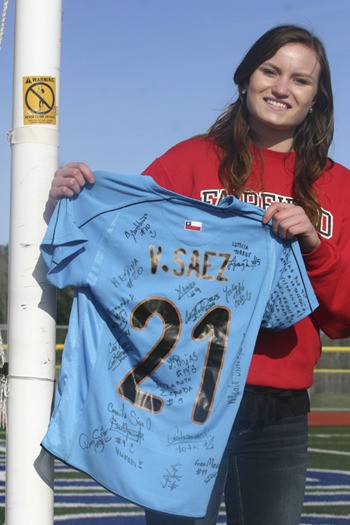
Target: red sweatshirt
283	359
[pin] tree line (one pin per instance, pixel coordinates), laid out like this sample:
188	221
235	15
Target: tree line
64	297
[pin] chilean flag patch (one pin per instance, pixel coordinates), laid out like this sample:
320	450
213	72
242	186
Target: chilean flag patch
193	225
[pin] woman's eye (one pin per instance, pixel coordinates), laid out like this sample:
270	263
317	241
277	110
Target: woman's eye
268	72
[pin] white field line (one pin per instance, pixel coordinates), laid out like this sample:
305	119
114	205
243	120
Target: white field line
327	471
69	517
97	505
336	452
82	490
326	516
92	495
327	436
328	487
321	503
329	493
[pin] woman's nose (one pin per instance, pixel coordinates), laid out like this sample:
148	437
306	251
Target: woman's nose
281	87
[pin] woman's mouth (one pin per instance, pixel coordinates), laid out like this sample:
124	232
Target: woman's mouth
276	103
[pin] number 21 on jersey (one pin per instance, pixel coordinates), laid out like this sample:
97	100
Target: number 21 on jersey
214	326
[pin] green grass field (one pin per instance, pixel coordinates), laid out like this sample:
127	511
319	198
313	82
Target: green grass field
329	450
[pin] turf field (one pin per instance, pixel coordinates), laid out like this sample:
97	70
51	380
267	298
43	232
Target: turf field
80	501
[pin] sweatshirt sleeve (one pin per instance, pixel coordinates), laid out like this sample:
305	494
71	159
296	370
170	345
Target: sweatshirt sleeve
328	267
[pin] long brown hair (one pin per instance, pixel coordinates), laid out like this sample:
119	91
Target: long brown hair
312	138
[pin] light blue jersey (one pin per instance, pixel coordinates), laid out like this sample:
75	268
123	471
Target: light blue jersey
171	294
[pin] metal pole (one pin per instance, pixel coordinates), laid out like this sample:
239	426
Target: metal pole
31	338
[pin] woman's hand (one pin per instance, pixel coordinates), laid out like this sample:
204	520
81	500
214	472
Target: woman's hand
69	180
290	221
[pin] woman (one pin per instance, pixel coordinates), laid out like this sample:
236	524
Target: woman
270	148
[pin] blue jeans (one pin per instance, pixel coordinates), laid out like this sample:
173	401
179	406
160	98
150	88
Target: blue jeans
262	473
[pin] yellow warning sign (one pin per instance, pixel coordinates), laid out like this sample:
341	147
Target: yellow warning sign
39	100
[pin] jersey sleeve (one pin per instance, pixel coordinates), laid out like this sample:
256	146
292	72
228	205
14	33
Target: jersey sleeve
292	297
71	246
80	227
63	244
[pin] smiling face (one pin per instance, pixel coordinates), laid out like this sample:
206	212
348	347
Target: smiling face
280	93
